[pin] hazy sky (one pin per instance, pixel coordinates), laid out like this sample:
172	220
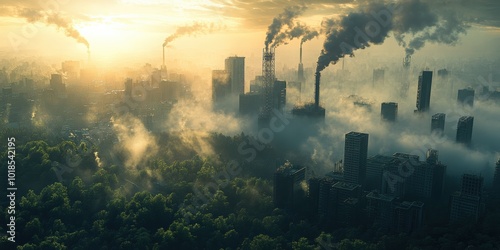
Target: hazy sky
132	31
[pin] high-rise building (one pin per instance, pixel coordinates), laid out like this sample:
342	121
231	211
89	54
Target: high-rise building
355	154
221	86
466	96
279	95
437	123
288	191
464	130
408	216
423	179
344	197
424	91
466	205
250	103
375	167
380	209
235	67
389	111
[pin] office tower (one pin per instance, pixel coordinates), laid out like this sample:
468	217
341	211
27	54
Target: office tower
378	76
355	154
379	209
464	130
423	179
466	96
221	86
375	167
235	67
424	91
389	111
345	197
466	205
408	216
325	201
288	192
250	103
279	95
437	123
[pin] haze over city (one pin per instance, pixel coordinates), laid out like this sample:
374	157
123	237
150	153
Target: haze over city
356	121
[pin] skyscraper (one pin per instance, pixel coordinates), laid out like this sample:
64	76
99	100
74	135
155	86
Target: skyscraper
424	91
464	130
355	153
437	123
389	111
235	67
466	96
221	86
288	192
467	204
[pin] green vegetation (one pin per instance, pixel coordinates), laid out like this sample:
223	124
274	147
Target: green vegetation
184	204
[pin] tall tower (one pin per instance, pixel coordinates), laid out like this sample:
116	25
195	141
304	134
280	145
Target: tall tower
235	67
464	130
355	154
437	123
268	73
466	96
466	204
424	91
389	111
300	71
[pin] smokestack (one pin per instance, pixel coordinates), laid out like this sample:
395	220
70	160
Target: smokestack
300	53
316	90
163	64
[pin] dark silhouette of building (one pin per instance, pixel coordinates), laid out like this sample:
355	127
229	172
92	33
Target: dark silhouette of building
437	123
375	167
389	111
355	154
250	103
379	209
466	96
464	130
279	95
235	68
408	216
221	85
288	191
422	179
466	205
345	197
424	91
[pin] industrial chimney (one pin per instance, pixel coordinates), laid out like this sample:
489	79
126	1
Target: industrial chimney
316	90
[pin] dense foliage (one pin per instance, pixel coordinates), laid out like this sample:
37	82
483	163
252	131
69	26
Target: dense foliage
185	204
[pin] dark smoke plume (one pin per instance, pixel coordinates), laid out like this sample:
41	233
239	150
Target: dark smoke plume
56	19
408	18
354	31
446	31
285	18
192	29
296	31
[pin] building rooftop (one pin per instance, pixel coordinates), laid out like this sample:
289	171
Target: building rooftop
378	196
346	186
